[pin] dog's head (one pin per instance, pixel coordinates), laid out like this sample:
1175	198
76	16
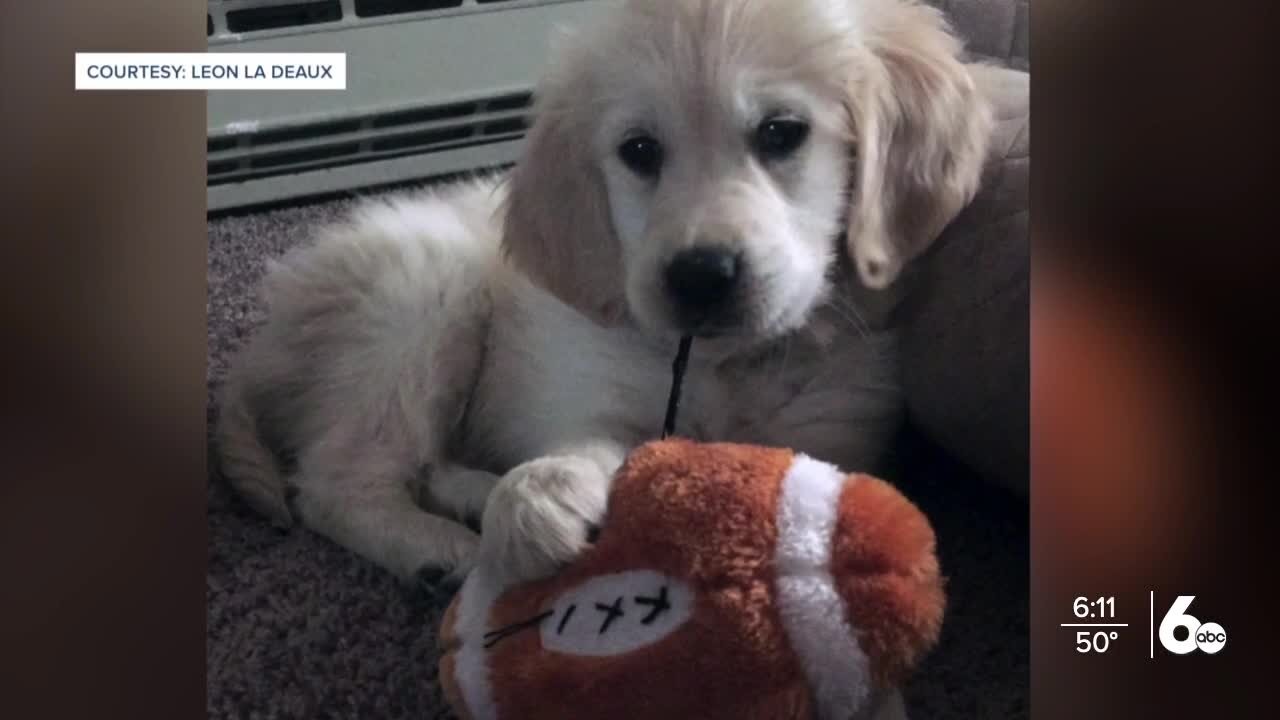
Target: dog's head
693	162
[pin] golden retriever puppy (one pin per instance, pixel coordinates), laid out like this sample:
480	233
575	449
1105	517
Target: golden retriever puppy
748	172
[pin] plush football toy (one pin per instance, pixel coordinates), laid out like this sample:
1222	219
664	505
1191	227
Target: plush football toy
728	581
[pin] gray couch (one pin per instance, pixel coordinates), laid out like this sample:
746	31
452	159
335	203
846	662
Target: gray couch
966	315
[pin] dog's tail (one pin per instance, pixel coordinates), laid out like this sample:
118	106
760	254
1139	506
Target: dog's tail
247	464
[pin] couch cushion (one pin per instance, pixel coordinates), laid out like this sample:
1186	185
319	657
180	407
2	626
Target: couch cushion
994	30
965	318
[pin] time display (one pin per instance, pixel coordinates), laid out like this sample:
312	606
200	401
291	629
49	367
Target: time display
1102	607
1097	614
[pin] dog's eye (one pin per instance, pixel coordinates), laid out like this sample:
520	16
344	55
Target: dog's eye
778	137
642	154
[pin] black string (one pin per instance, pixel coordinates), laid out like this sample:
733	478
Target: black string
677	377
494	637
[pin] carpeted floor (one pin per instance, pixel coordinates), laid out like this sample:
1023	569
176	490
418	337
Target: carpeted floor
299	628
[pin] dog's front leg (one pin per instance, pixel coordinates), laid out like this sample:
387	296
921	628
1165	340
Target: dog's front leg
544	512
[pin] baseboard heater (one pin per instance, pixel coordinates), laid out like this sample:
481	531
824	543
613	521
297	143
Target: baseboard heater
434	88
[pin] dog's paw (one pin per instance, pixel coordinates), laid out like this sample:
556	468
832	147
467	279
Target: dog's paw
541	516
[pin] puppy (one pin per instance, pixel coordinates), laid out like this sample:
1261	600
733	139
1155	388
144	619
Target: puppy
750	172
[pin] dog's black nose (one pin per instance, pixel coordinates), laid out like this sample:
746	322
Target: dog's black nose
703	276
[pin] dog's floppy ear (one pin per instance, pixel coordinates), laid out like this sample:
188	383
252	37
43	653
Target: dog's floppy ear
922	130
558	228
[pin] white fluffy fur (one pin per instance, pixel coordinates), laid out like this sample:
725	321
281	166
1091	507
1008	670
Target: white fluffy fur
491	351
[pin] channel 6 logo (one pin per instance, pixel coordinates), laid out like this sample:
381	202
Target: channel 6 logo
1206	637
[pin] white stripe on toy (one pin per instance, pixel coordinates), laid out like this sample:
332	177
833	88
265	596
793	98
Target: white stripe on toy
471	669
813	613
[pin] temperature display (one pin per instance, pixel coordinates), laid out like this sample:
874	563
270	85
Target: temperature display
1097	632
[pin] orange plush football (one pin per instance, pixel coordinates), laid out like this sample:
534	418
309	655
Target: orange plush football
728	581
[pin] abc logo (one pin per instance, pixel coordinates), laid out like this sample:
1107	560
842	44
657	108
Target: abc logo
1211	637
1207	637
